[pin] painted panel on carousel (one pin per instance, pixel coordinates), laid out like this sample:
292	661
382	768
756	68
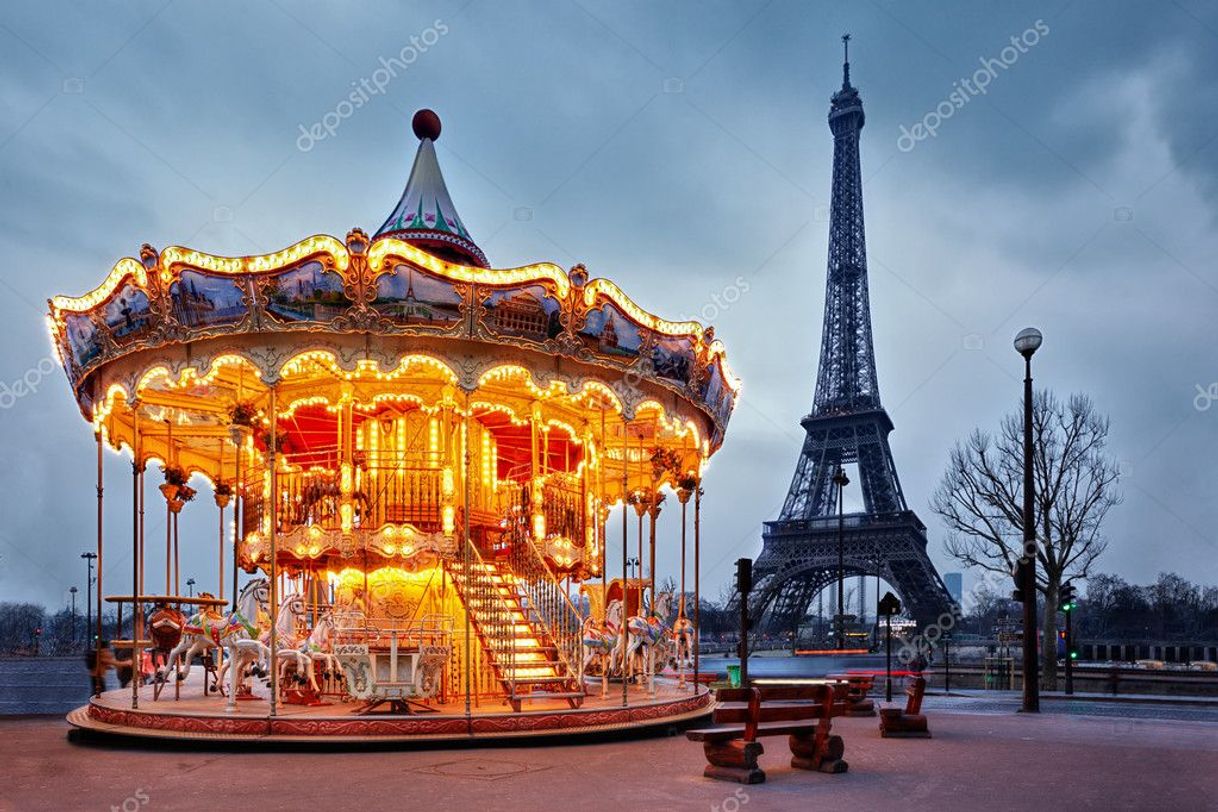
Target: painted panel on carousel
607	331
128	315
307	293
673	358
715	394
201	300
525	312
84	339
410	297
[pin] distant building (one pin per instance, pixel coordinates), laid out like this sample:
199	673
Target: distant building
954	581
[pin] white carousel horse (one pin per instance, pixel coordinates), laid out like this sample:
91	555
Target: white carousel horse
290	641
319	647
239	633
191	643
208	629
648	637
602	637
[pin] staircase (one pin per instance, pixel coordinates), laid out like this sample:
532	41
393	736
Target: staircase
524	657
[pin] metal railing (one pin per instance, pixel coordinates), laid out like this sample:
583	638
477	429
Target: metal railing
494	617
550	602
396	494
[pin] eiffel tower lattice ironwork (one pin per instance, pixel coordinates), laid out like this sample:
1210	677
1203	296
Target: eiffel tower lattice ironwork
847	425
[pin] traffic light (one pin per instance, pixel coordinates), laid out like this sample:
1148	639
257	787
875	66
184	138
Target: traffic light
744	575
1068	598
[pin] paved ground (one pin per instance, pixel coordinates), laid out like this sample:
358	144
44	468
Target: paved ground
992	760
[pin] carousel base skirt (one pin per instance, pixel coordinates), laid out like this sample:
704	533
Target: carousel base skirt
194	717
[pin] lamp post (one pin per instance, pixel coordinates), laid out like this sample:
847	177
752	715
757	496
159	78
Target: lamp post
88	557
73	590
1026	343
841	481
190	585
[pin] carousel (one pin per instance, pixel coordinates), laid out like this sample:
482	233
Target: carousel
414	459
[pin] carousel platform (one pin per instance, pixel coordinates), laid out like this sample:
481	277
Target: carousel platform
195	717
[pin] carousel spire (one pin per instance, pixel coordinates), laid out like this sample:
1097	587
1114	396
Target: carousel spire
425	215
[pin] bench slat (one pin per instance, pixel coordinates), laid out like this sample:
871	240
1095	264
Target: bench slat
738	712
771	693
714	734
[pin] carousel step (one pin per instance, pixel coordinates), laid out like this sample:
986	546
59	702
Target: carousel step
550	695
538	680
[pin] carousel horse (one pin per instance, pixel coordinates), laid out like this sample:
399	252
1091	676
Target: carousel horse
319	646
190	642
239	632
648	637
290	641
683	638
602	637
165	629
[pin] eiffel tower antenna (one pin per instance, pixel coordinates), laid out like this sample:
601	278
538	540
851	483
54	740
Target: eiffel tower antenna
846	426
846	60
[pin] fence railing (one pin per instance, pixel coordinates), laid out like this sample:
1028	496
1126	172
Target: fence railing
550	601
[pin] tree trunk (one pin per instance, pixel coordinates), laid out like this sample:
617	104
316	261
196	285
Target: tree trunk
1048	641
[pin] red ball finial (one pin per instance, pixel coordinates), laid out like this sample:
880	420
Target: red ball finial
426	124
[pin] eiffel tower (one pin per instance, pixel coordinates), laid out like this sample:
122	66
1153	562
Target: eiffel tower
847	425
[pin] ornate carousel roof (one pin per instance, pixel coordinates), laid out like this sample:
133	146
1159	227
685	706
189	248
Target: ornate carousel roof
411	315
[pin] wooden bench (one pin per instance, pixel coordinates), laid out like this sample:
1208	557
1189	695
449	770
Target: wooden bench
802	713
908	722
858	688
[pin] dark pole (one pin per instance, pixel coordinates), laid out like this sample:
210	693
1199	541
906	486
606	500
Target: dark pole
1031	681
841	480
947	665
1069	655
744	585
744	641
888	660
88	557
98	555
697	577
73	590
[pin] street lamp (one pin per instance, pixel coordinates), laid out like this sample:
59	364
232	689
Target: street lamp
1026	343
88	557
841	481
73	590
190	584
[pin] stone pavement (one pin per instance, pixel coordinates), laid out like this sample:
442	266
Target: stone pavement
991	761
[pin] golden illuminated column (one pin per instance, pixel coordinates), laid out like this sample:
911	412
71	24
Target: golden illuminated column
655	499
273	460
536	480
137	605
448	485
591	536
346	446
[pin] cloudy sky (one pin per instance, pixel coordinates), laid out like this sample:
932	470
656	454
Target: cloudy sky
678	148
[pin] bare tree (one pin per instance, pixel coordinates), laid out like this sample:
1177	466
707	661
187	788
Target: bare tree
980	498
